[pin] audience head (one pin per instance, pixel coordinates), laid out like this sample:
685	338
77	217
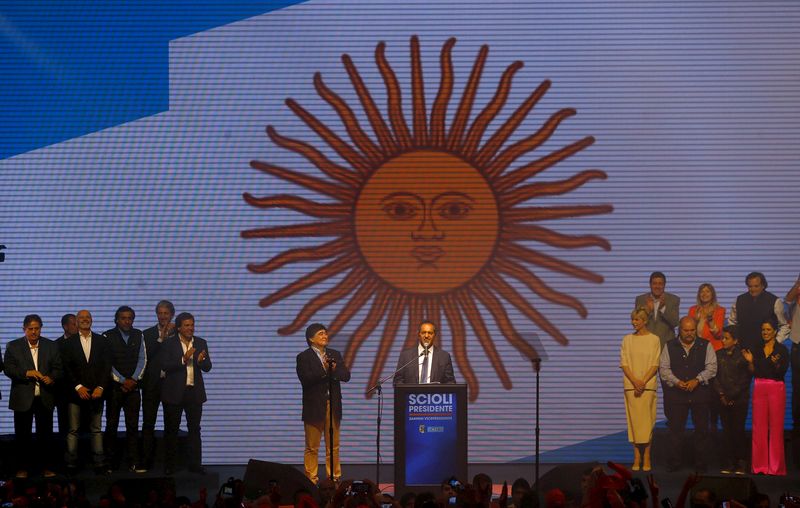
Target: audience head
519	488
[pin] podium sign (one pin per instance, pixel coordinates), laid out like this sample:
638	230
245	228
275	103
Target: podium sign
430	435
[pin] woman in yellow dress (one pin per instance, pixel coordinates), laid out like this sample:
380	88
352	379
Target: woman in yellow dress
638	360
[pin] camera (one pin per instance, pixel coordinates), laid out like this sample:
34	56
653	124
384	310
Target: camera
228	488
358	488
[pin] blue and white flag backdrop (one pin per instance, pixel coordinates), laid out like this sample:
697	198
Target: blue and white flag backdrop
512	170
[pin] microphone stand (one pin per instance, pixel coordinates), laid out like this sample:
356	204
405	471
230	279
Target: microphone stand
330	414
537	364
379	389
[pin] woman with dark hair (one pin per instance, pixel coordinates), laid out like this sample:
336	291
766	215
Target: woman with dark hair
639	363
769	367
710	316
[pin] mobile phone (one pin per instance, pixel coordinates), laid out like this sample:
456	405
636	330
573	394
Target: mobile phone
726	504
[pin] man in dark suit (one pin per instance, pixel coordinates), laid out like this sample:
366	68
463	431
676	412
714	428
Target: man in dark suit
154	338
33	364
87	367
128	360
662	308
184	359
69	324
433	364
321	371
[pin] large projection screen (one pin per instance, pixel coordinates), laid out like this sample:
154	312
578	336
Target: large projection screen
512	170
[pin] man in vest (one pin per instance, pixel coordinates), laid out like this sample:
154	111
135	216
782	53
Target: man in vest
686	367
752	308
128	361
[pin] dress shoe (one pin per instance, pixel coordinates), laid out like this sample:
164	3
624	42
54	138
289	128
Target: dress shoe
48	474
138	468
21	474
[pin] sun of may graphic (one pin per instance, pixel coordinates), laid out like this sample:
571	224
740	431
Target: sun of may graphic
427	218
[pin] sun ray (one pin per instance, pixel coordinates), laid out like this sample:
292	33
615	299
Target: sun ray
418	96
415	316
334	248
516	232
394	97
528	144
333	228
322	273
443	97
343	194
315	157
510	126
537	213
490	111
385	139
358	300
535	190
498	312
367	326
551	263
465	107
504	289
346	286
341	147
393	318
506	181
308	207
349	120
538	286
460	346
466	303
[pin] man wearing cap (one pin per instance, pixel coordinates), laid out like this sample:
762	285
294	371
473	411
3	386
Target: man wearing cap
321	371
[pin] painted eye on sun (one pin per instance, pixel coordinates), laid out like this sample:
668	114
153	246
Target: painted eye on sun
426	221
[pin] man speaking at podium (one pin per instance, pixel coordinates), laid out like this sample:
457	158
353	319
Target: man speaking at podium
433	364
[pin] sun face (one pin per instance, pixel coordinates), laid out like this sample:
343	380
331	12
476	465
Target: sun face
427	220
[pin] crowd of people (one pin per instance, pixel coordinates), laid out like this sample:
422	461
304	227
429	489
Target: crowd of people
123	370
707	372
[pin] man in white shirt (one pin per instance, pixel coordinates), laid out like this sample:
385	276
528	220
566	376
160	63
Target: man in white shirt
426	363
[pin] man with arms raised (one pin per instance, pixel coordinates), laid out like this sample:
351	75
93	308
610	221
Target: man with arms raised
433	364
154	338
662	307
33	364
320	369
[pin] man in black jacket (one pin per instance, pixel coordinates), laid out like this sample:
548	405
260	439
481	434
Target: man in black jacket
87	365
33	364
154	338
128	361
319	370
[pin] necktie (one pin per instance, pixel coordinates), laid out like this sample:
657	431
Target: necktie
423	378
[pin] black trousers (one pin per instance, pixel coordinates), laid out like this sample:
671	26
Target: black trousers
129	403
734	438
151	399
677	413
29	453
172	422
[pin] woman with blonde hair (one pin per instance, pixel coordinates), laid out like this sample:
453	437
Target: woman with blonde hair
709	315
639	356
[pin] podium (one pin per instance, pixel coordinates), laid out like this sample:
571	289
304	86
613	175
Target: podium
430	435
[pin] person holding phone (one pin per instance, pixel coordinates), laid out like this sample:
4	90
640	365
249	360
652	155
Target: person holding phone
185	358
